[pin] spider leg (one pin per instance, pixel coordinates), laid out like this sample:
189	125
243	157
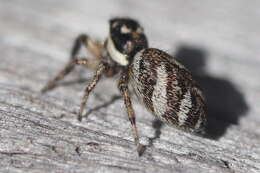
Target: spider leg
68	68
123	87
100	70
92	46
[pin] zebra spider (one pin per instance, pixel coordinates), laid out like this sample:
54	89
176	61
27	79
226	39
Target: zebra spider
162	84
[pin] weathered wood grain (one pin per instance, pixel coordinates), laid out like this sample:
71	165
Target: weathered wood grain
219	42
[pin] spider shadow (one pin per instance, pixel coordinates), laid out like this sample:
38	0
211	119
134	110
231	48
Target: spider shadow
104	105
225	103
157	125
82	80
71	82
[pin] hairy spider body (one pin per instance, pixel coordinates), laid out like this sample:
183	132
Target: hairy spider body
166	88
162	84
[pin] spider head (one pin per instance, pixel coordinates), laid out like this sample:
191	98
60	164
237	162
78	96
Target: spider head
126	38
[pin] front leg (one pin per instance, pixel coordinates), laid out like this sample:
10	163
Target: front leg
94	47
100	70
123	87
67	69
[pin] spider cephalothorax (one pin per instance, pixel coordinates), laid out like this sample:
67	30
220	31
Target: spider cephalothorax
126	38
162	84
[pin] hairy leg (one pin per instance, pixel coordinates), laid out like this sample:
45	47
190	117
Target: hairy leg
68	68
123	87
100	70
92	46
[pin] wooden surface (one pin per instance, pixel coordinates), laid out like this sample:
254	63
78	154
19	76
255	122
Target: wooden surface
218	41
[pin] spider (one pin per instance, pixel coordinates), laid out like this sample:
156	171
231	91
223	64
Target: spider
162	84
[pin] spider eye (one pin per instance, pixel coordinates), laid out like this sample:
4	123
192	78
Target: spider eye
125	30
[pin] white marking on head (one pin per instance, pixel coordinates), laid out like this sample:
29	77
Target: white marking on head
125	30
184	108
115	54
159	97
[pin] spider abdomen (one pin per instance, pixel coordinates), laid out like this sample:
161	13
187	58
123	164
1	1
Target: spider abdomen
167	89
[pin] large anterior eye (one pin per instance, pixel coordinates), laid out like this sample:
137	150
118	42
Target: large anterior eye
125	30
